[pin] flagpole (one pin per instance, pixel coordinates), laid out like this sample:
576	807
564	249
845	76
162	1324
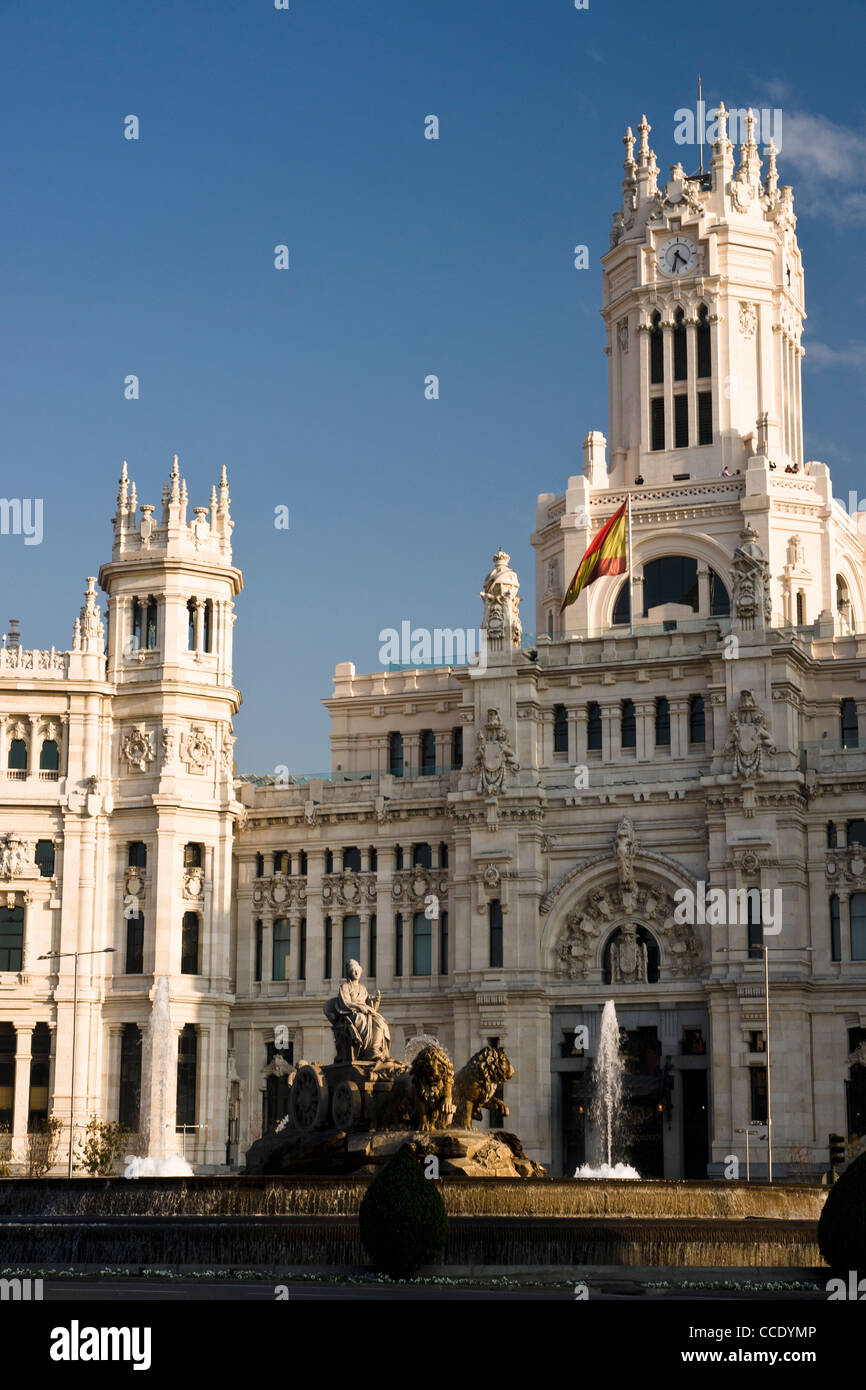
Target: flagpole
630	570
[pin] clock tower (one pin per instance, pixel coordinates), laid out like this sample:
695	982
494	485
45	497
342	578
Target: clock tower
703	302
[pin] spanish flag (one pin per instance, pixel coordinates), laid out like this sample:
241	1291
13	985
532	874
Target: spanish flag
606	555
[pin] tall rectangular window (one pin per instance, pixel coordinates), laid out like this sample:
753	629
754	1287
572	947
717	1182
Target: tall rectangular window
758	1095
129	1101
371	971
593	727
443	943
628	725
697	720
280	953
302	951
44	857
398	944
663	722
495	926
136	854
189	944
351	941
329	946
704	350
11	938
705	417
422	941
657	423
134	944
755	926
395	754
187	1059
850	728
835	928
657	352
428	753
456	748
560	729
680	352
857	904
260	935
681	422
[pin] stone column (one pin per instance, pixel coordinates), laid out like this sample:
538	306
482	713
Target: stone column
703	590
267	921
644	716
199	625
21	1110
293	972
577	734
607	722
111	1080
385	919
679	709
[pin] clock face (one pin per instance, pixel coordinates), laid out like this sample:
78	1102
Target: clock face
677	255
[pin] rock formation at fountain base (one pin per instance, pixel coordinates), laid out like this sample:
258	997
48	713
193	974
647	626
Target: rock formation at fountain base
468	1153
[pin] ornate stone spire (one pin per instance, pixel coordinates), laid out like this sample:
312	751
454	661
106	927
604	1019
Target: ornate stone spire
750	163
224	498
123	489
92	631
771	184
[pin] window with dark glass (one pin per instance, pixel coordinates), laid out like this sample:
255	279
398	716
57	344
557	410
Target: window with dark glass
329	861
193	856
560	729
657	423
855	832
422	856
17	755
832	837
835	928
593	727
190	625
456	748
398	944
150	627
628	725
681	422
352	859
280	952
129	1100
622	607
373	942
11	938
663	722
395	755
373	859
428	753
849	725
857	908
187	1058
720	599
189	944
443	943
260	939
657	352
207	625
705	417
303	864
282	862
443	856
137	624
351	940
801	608
680	354
136	854
697	720
422	942
7	1074
703	343
134	945
302	951
755	929
398	856
495	928
758	1095
260	866
45	858
49	756
329	947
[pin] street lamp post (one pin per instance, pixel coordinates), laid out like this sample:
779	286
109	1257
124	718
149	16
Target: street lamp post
727	950
747	1131
58	955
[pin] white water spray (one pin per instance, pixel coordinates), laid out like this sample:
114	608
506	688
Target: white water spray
606	1105
158	1080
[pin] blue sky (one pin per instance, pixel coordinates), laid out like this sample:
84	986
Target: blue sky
408	257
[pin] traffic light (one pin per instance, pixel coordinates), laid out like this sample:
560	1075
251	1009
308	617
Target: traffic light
837	1150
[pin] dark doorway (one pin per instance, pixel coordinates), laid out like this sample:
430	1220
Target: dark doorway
574	1102
695	1124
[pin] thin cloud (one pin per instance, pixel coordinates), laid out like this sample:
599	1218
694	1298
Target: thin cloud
822	355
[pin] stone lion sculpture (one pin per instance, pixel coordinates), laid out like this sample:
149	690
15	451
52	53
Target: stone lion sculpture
475	1084
421	1096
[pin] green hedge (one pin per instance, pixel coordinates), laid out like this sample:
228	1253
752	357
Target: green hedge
842	1228
402	1217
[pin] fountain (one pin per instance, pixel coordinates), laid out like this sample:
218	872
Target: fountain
606	1106
158	1084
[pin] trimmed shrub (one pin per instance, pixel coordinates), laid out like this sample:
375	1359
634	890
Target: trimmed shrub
402	1217
842	1228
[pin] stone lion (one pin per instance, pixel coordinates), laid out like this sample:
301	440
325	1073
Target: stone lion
475	1084
421	1096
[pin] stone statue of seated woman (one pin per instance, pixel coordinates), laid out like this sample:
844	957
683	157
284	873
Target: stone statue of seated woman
360	1032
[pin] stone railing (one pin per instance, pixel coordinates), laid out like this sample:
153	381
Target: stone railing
51	663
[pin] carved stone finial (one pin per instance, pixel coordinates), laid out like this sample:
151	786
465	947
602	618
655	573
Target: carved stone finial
501	621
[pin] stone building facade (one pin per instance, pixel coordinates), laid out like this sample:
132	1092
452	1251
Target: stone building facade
631	804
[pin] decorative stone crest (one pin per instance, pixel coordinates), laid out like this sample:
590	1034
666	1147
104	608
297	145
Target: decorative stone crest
501	621
494	756
622	335
136	748
14	857
748	319
193	884
749	739
198	751
753	604
597	914
628	957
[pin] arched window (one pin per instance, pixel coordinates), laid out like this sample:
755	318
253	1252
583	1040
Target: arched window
850	729
280	953
11	941
801	608
843	598
134	963
622	607
593	727
703	343
697	720
560	729
17	755
208	625
657	354
129	1099
663	723
645	938
49	759
720	599
680	358
428	753
189	944
395	754
45	858
628	725
190	629
670	579
187	1065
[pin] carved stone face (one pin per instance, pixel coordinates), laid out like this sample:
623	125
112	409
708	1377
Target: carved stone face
353	971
